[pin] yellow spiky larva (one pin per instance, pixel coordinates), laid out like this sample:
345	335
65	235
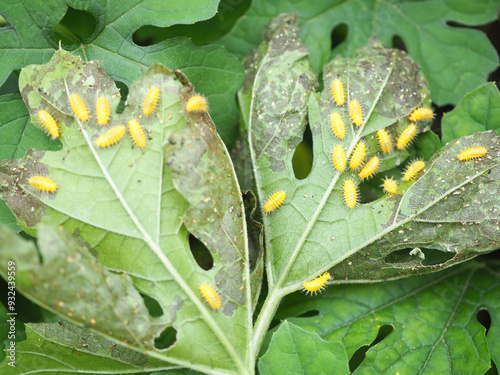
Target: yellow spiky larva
421	114
210	296
49	124
350	193
338	158
384	140
406	136
151	100
358	155
413	169
102	110
79	107
43	184
111	137
474	152
317	284
197	104
390	186
370	168
338	91
274	201
137	133
338	125
356	113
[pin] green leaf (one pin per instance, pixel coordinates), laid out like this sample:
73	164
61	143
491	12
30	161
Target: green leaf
453	59
432	319
295	351
477	111
122	202
29	39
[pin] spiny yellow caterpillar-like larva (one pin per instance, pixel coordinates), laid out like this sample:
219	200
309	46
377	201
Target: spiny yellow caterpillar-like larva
358	155
102	110
137	133
49	124
413	169
317	284
406	136
79	108
338	158
151	100
111	137
274	201
384	140
474	152
337	124
43	184
370	168
356	113
197	104
390	186
211	296
338	92
350	193
421	114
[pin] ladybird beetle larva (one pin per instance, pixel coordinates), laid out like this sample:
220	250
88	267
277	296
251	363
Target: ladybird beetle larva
111	137
338	158
474	152
137	133
79	108
356	113
390	186
338	91
350	193
370	168
197	104
211	296
337	124
43	184
151	100
317	284
49	123
421	114
358	155
384	140
413	169
274	201
102	110
406	136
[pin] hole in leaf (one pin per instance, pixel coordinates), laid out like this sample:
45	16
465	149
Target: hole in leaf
339	34
3	22
302	159
428	257
124	93
200	253
360	354
398	42
166	339
484	318
152	305
308	314
11	85
433	256
75	27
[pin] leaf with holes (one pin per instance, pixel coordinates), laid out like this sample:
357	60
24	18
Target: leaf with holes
121	200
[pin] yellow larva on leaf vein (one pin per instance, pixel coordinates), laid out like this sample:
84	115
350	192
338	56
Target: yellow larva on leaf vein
49	123
356	113
370	168
111	137
211	296
151	100
197	104
384	140
350	193
317	284
79	108
274	201
390	186
338	158
358	155
406	136
413	169
137	133
102	110
338	92
421	114
43	184
337	124
474	152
